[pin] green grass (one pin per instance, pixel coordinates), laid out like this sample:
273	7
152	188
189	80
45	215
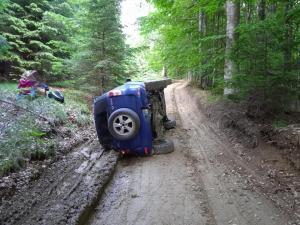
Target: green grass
11	87
25	137
212	98
280	123
64	84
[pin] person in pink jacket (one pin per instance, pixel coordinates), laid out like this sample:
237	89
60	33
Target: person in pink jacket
28	84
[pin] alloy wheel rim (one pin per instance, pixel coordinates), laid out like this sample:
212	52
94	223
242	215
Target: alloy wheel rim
123	125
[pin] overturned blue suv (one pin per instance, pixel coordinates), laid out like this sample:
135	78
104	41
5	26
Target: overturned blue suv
131	117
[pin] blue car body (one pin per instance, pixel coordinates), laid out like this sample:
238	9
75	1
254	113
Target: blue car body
133	96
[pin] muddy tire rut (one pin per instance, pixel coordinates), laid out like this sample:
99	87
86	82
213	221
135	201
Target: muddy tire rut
64	191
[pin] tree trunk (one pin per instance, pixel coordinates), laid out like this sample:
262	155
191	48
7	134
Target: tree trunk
261	9
233	16
272	8
202	22
288	40
165	72
262	37
249	13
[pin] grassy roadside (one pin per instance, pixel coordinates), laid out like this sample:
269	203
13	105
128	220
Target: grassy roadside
24	136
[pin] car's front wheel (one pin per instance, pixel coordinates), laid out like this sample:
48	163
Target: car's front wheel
124	124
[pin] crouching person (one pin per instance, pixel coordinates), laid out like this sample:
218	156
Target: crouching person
29	86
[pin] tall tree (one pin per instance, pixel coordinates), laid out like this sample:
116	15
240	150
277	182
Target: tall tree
288	37
233	16
202	22
101	56
261	8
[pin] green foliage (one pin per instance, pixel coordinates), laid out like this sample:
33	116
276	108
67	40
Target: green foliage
280	123
64	39
3	3
31	31
21	140
100	44
8	87
265	70
4	47
179	45
189	39
24	136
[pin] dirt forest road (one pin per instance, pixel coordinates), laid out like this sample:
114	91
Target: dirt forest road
203	182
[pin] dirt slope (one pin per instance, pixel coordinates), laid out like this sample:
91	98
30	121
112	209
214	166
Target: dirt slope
207	180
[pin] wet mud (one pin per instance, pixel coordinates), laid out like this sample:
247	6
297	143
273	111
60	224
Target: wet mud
64	191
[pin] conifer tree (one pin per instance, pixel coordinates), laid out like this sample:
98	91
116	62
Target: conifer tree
102	55
36	33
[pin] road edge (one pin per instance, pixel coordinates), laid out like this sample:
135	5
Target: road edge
86	212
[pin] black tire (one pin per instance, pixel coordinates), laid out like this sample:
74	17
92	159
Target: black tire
157	85
56	95
163	146
170	124
100	117
124	124
104	136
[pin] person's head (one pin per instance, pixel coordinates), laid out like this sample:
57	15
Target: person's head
30	75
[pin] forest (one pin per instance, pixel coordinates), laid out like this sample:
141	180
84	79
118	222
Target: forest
76	45
210	134
246	50
64	40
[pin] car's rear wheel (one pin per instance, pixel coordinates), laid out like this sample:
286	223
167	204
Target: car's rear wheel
124	124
